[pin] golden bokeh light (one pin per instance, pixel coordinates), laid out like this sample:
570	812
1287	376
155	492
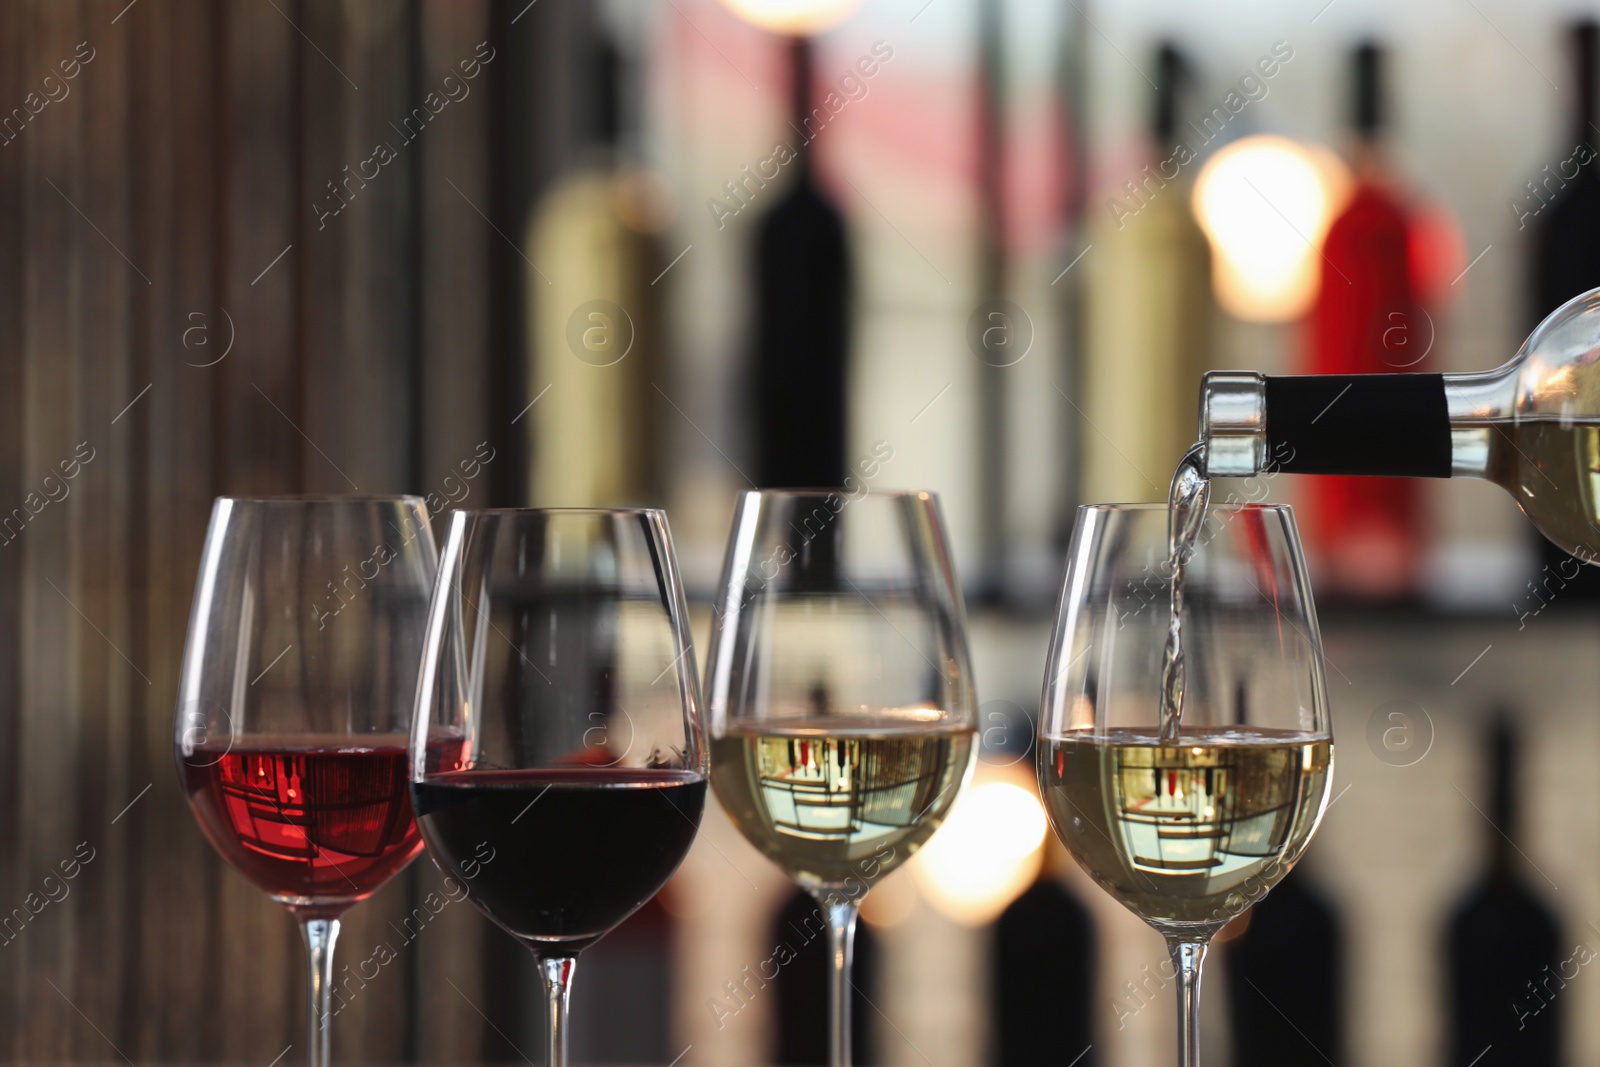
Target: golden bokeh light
1266	202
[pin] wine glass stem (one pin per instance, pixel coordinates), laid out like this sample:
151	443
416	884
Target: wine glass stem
1187	957
841	946
556	971
320	935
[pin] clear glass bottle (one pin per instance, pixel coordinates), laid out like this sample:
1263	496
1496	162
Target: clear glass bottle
1531	426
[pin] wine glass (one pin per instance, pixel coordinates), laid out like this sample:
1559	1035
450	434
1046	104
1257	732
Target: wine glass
843	714
558	759
298	678
1186	834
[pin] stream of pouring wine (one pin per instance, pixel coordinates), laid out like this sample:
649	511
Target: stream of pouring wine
1186	516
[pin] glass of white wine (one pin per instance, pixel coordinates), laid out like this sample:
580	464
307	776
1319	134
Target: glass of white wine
843	714
1186	830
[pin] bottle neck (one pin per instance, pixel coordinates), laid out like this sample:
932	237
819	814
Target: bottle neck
1414	425
1473	402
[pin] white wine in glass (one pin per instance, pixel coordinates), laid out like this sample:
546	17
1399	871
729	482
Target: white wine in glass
836	806
1184	835
1187	827
843	716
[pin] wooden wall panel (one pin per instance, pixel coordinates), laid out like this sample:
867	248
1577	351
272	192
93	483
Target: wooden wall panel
167	297
262	444
58	239
15	27
377	334
323	101
455	253
103	676
451	413
181	331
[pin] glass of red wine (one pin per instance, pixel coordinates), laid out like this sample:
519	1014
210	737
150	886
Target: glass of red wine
298	680
558	750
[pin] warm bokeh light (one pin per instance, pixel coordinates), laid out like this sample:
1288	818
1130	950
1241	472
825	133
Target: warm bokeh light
987	852
1266	202
891	901
799	18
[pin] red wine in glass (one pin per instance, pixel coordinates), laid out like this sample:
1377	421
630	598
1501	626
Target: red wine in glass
559	757
319	825
575	852
294	694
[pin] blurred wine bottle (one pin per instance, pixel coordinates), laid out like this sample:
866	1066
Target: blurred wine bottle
1149	316
1562	208
1366	534
1503	945
992	375
594	329
802	981
1073	78
1286	979
1043	978
802	318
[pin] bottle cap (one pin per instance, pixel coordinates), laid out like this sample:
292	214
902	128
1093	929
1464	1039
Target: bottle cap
1233	423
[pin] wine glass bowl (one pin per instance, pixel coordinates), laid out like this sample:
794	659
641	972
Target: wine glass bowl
295	697
295	692
843	713
1186	832
558	759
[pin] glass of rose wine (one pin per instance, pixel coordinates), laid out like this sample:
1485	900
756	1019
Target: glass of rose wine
294	701
1187	821
557	740
843	713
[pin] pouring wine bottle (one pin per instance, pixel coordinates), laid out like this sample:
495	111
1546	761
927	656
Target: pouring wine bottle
1531	426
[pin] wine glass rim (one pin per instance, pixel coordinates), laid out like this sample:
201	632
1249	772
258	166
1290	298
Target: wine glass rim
324	498
560	511
1155	505
839	490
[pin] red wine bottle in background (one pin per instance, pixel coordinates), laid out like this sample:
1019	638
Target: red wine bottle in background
802	318
1366	534
1506	961
1562	209
319	828
1043	978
